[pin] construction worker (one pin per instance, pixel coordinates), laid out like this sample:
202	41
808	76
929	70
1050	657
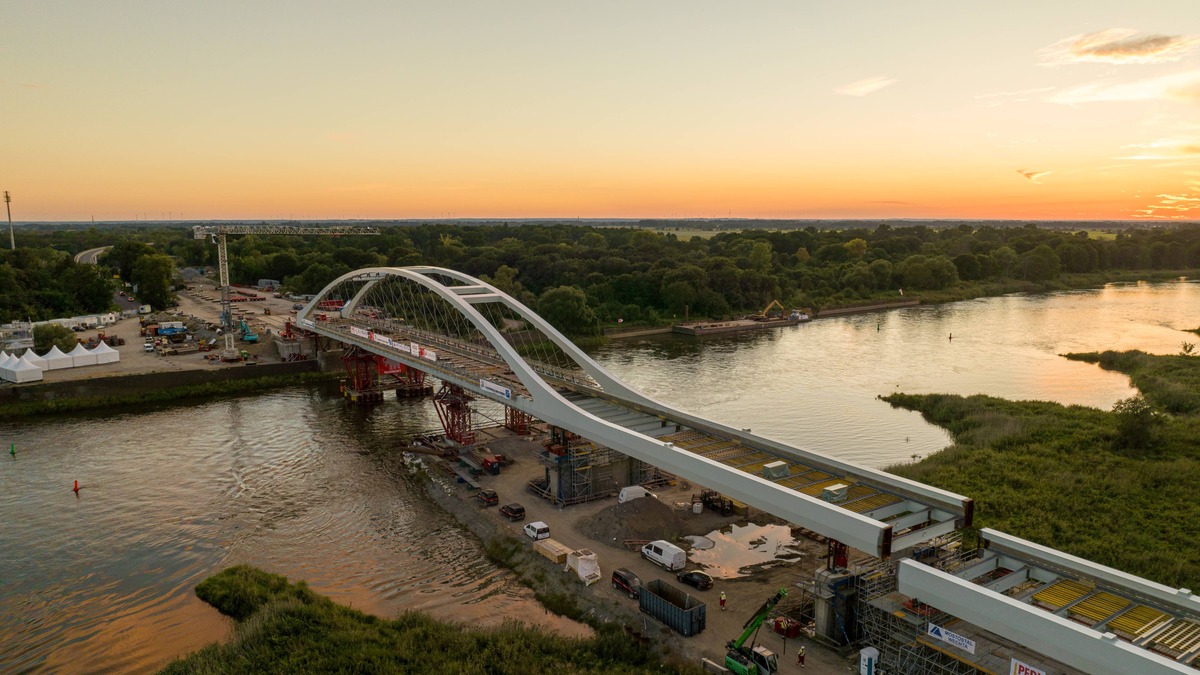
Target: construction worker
800	657
722	600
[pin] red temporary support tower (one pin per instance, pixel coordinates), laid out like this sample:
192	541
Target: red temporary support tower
516	421
454	410
362	383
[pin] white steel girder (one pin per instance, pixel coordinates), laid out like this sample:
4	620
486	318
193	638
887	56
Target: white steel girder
1058	638
853	529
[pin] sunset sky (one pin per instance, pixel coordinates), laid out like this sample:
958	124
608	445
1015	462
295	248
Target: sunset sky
788	109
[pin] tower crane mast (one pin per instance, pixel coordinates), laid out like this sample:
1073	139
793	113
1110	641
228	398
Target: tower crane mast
218	234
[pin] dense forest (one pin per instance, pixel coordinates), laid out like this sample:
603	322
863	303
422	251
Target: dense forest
634	274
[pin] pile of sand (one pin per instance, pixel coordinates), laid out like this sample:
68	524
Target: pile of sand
645	518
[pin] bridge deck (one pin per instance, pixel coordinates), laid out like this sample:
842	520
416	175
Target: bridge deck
468	364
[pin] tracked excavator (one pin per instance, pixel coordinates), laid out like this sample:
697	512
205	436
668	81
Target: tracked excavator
754	660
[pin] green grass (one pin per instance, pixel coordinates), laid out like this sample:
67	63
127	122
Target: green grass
1055	475
287	628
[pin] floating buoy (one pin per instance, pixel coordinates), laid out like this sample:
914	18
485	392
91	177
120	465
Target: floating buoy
76	488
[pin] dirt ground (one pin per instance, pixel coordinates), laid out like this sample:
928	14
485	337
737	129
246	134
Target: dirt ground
571	527
203	304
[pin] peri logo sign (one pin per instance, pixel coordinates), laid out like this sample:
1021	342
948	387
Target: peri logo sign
1018	668
953	639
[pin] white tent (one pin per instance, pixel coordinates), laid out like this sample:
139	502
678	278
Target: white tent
80	356
32	357
24	371
5	368
106	354
55	359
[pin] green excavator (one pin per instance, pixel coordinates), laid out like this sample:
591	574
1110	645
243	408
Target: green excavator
753	660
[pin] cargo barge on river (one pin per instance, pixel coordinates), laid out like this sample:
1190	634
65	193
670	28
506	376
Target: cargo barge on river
738	325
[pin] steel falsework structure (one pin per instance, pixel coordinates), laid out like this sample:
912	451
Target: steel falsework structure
590	401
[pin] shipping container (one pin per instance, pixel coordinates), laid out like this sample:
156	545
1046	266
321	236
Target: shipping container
678	609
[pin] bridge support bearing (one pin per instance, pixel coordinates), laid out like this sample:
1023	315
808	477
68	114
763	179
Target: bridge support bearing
411	383
516	421
454	410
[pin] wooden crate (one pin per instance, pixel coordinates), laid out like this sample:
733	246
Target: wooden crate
552	550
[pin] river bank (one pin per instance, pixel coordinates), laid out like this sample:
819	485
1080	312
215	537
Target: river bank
1075	478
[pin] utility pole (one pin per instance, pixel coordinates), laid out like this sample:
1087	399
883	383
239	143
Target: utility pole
12	243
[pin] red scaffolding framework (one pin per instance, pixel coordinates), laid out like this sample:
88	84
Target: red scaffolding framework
454	410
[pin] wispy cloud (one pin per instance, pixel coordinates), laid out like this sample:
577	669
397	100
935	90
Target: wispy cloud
864	87
1181	87
1118	45
998	98
1034	176
1177	206
1164	148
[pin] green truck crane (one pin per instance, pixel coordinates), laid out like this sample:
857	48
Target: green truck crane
753	660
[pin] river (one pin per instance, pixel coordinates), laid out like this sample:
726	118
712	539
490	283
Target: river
300	483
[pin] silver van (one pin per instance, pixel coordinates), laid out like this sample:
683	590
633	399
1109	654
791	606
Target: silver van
537	530
665	554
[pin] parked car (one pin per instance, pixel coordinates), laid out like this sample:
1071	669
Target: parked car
624	580
695	578
537	530
513	511
148	347
488	497
297	307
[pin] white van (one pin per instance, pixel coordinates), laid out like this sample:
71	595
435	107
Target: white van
665	554
537	530
633	492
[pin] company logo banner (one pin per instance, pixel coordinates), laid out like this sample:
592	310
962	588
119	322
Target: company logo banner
953	639
1018	668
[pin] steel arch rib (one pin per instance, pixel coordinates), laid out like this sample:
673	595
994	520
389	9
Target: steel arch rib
547	404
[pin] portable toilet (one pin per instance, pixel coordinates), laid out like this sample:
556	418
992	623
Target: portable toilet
868	661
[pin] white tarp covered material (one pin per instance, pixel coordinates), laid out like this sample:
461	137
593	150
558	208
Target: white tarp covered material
32	357
24	371
106	354
80	356
585	564
55	359
6	368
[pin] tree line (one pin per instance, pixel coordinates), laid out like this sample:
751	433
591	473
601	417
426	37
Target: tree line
598	275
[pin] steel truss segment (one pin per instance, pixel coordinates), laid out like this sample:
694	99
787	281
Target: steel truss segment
1056	637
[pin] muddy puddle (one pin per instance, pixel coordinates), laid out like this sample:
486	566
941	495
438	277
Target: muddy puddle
738	550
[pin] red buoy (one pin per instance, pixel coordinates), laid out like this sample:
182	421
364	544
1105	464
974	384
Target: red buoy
76	488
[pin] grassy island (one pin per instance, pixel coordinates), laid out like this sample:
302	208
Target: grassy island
285	627
1117	487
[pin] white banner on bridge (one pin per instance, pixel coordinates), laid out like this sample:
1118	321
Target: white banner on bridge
418	350
360	332
954	639
1018	668
495	388
308	323
402	347
381	339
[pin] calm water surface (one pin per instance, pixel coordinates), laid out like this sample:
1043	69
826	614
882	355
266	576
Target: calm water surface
299	483
815	385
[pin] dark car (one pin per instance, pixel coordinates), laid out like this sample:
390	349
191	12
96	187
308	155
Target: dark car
513	511
624	580
488	497
696	578
297	306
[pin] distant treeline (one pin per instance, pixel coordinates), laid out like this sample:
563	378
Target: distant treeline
640	275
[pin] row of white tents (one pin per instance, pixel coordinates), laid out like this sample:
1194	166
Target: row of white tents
29	366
